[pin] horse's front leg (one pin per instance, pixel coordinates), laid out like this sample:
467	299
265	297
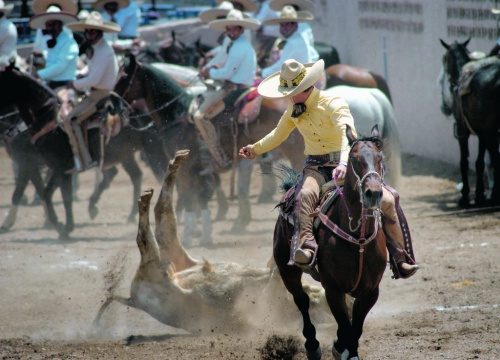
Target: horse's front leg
463	143
291	276
67	196
336	301
362	305
134	172
493	144
292	279
107	177
480	196
244	210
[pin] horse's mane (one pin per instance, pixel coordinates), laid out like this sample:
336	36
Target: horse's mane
37	103
166	88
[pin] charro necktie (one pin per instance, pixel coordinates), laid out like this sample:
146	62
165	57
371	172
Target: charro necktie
89	52
298	109
229	47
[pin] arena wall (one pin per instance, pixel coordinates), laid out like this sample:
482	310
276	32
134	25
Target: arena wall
400	40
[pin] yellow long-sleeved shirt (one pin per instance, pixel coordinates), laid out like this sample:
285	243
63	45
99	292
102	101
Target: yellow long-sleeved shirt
322	125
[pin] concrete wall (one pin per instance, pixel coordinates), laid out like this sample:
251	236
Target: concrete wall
400	39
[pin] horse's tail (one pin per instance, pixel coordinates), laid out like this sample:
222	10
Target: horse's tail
287	175
390	135
382	85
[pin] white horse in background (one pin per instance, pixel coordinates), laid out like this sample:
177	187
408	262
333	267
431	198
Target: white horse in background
369	107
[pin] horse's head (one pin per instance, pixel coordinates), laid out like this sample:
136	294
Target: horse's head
7	80
174	53
456	56
129	83
365	168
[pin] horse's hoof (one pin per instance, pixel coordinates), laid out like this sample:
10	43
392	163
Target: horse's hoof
314	355
464	203
93	211
339	354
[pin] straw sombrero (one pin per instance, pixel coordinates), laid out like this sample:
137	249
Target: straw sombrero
289	14
215	13
5	8
248	5
99	4
41	6
277	5
52	13
291	80
234	18
94	21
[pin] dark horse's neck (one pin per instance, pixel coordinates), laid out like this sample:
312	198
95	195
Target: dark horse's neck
171	99
37	104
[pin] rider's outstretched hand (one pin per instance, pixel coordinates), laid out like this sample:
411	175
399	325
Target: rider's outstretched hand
247	152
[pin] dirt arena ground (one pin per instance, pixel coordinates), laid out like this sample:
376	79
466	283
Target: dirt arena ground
50	291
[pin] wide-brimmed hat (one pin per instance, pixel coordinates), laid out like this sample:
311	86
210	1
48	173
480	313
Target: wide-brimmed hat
213	14
277	5
234	18
41	6
289	14
219	12
248	5
53	13
99	4
94	21
291	80
83	14
6	8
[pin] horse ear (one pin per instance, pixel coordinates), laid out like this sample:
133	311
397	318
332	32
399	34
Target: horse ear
466	42
349	134
444	44
375	132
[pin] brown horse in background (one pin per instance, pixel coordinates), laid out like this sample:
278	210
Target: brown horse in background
343	74
349	261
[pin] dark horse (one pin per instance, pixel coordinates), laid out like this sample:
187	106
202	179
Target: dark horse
168	105
473	101
26	158
343	74
38	106
349	261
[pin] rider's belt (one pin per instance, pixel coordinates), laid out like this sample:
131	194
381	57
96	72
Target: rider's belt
333	157
236	86
54	84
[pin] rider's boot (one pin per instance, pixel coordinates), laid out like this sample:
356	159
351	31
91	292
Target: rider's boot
305	245
74	147
209	135
402	264
85	157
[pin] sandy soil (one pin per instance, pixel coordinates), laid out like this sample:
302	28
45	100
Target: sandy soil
50	291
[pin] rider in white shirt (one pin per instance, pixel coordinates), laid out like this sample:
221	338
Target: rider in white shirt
8	34
100	79
296	47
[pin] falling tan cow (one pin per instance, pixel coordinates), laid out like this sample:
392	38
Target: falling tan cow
197	296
